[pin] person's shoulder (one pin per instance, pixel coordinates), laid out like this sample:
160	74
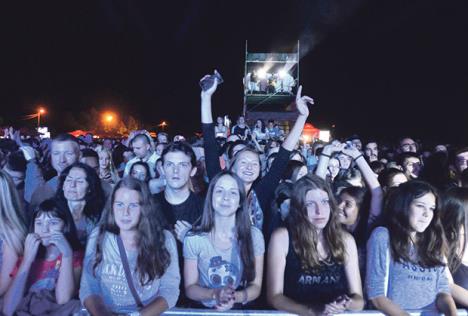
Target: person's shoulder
348	239
256	233
196	240
169	237
196	235
380	234
280	234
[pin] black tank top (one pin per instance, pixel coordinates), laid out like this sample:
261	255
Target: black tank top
320	286
460	277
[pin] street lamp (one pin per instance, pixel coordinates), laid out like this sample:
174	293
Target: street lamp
108	118
40	111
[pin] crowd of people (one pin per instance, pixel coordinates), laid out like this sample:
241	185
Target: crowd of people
237	219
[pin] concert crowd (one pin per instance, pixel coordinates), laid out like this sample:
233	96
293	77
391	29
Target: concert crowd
248	217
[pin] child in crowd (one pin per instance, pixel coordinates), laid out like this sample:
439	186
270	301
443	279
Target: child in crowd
47	275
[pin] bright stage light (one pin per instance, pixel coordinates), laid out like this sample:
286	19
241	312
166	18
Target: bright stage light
261	73
324	136
282	73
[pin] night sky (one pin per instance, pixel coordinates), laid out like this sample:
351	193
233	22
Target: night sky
376	68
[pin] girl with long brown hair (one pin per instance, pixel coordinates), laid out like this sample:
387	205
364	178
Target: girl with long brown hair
312	262
130	234
224	254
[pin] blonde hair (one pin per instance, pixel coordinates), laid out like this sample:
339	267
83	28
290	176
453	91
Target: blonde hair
13	229
110	167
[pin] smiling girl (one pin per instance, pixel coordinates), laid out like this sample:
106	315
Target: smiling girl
224	256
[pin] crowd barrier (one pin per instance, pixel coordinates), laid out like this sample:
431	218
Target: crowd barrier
211	312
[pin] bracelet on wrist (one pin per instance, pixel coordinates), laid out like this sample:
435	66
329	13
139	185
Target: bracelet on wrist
325	155
358	157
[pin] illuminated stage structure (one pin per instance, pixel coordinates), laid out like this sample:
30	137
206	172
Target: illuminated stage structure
270	86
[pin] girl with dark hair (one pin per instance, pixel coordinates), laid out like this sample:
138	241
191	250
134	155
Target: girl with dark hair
454	215
312	262
221	130
130	234
224	255
80	192
407	256
247	163
294	171
50	269
140	171
391	177
260	131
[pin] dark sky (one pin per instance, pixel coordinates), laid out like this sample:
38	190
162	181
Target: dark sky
375	68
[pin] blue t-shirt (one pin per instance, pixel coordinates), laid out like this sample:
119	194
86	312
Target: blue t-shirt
218	267
409	285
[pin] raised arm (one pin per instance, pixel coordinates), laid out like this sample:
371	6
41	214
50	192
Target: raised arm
209	140
206	114
325	156
301	104
371	181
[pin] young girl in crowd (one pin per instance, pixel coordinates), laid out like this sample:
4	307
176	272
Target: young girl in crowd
80	192
312	262
294	171
405	259
221	131
454	213
107	170
260	131
246	163
12	230
356	217
140	170
130	235
48	274
224	255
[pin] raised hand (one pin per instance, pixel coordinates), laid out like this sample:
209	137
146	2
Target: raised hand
333	148
212	89
28	152
351	151
16	136
59	240
301	102
30	247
